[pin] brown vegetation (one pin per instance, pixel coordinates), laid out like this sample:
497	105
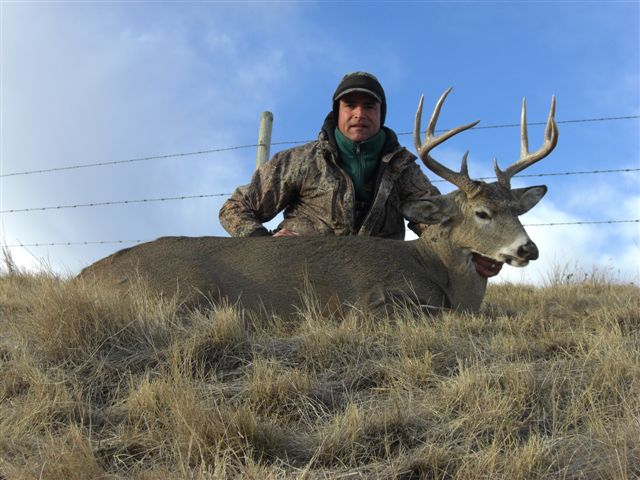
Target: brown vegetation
543	383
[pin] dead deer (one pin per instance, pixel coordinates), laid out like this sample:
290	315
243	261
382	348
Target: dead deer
476	224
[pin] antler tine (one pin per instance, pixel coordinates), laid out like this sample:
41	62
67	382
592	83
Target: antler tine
524	136
417	126
459	179
527	159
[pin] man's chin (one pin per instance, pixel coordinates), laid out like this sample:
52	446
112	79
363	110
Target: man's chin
359	135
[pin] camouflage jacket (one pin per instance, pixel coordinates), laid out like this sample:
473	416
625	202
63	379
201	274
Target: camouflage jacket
318	196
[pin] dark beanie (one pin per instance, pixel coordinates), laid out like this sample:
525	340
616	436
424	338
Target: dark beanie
360	82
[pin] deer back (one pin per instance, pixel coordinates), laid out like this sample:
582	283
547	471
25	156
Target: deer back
277	273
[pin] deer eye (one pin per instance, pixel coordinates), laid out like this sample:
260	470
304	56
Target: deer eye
483	215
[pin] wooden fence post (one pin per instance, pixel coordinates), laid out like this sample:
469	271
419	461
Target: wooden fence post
264	138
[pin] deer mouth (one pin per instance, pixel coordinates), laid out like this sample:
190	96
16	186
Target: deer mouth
486	267
515	261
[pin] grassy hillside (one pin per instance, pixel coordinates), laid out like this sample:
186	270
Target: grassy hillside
544	383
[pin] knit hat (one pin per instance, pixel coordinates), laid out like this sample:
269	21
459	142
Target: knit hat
360	82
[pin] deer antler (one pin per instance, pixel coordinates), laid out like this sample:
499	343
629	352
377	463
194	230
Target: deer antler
527	159
459	179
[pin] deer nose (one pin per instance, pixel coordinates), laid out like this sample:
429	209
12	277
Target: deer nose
528	251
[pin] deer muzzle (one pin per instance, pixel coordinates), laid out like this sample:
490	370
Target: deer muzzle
528	251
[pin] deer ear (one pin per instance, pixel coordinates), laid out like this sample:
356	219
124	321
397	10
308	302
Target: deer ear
430	210
527	198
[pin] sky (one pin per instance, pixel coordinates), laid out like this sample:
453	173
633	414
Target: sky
98	82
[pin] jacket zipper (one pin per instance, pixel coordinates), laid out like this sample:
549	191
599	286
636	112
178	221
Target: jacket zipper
350	186
358	164
378	181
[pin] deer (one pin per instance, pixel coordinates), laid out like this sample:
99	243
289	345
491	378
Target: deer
477	224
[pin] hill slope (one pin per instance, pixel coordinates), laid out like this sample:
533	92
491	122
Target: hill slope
544	383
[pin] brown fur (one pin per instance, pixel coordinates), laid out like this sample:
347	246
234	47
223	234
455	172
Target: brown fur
272	272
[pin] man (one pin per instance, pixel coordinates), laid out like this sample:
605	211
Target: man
351	181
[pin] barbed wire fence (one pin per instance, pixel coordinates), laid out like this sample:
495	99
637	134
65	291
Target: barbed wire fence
210	195
105	242
296	142
239	147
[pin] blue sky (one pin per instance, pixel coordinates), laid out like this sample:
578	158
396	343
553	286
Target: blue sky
98	82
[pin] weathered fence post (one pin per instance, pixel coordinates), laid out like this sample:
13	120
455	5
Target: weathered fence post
264	138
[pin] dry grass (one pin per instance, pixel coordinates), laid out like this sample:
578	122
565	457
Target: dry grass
544	383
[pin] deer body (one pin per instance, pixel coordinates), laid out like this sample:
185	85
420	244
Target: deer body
272	272
442	269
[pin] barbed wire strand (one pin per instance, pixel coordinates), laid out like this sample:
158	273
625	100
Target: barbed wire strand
115	202
68	244
130	160
187	197
239	147
104	242
583	222
532	124
558	174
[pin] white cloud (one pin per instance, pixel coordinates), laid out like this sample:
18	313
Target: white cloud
576	248
105	89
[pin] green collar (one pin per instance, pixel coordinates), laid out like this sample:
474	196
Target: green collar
361	161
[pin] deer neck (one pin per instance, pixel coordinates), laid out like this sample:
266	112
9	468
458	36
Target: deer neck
464	287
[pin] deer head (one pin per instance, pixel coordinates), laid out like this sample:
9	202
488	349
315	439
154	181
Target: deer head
481	219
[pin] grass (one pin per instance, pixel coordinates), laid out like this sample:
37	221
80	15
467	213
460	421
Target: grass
543	383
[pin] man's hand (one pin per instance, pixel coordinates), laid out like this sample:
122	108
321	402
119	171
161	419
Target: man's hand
283	232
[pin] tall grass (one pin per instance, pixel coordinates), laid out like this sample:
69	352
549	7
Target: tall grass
543	383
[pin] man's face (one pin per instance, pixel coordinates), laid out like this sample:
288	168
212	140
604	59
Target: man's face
358	116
